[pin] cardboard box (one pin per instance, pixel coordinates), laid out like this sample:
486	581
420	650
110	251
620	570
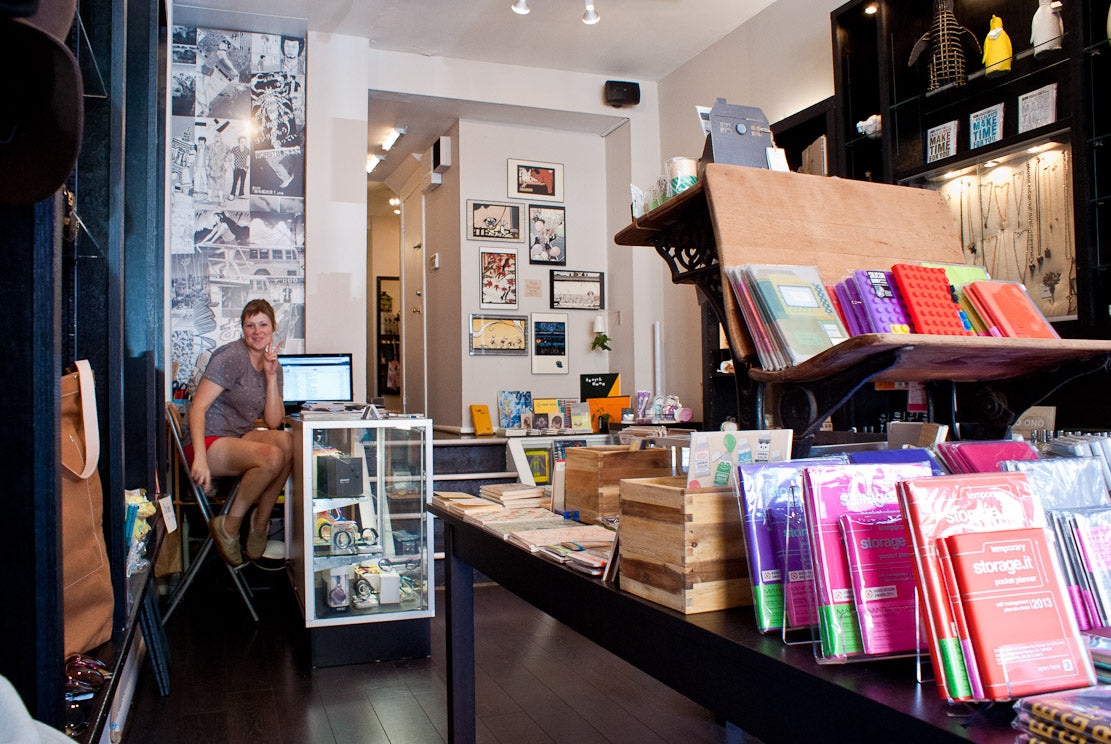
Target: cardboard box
682	547
593	474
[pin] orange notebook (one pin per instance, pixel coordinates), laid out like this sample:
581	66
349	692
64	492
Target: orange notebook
1011	310
480	417
1020	626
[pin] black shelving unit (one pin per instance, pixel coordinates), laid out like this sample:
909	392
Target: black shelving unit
388	332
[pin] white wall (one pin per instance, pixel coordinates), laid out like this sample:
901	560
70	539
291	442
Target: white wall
335	199
483	151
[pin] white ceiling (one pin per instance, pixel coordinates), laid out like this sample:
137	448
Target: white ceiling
643	40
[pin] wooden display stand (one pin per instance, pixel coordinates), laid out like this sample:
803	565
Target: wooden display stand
737	215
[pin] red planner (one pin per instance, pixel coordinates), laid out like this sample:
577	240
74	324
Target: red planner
1011	310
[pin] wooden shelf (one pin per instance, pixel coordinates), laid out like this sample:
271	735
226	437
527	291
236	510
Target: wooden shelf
737	215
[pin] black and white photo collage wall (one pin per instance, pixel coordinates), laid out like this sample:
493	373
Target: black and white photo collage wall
237	175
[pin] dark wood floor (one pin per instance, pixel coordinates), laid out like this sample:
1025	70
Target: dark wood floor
232	681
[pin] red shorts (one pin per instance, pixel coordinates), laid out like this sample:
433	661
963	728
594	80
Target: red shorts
189	448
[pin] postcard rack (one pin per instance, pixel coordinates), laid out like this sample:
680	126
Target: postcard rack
737	215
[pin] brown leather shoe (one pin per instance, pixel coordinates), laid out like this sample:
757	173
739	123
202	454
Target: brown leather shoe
227	545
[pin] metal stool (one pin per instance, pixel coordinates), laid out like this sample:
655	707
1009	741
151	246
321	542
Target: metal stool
174	421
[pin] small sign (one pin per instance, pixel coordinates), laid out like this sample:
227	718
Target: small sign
166	504
941	142
985	127
1037	108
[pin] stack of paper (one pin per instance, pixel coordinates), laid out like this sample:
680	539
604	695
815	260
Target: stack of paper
462	504
584	547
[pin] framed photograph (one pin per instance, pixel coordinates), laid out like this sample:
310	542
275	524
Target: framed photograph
536	181
540	463
498	335
578	290
549	343
499	278
547	235
494	221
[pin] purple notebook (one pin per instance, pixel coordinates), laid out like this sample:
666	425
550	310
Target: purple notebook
851	309
883	305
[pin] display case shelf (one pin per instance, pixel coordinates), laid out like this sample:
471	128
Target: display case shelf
363	478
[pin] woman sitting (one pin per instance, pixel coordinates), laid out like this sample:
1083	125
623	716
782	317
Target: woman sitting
242	383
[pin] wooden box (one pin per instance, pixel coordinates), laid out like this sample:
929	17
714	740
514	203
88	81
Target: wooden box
592	475
682	547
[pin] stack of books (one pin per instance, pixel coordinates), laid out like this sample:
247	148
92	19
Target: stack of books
584	547
1079	716
462	504
515	494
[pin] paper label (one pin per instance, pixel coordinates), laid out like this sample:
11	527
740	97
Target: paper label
168	516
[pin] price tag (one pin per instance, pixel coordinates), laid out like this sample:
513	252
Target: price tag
168	516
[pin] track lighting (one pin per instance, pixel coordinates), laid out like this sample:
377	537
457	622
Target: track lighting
590	17
372	162
521	7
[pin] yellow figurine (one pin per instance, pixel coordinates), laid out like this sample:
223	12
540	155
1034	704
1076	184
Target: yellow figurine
997	49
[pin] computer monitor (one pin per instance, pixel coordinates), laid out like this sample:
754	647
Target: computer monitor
315	377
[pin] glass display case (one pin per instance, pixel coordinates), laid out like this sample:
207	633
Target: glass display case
361	547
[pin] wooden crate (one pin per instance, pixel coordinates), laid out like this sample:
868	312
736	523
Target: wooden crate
592	476
682	547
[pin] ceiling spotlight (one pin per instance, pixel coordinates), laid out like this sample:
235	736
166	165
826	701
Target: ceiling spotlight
590	17
391	138
397	211
394	201
520	7
871	9
372	162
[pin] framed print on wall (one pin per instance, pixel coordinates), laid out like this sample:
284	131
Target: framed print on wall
498	335
578	290
494	221
547	235
549	343
537	181
499	278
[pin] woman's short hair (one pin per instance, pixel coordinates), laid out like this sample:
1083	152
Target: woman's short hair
254	307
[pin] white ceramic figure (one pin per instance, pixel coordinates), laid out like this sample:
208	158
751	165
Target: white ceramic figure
1047	28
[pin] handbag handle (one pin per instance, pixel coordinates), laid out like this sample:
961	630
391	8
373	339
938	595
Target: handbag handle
88	415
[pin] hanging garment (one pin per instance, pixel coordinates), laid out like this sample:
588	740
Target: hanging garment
997	49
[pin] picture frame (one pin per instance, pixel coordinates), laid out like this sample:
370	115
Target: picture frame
529	179
487	220
548	332
577	290
540	463
547	234
498	278
492	334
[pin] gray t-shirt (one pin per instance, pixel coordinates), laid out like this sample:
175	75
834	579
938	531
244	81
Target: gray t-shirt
243	398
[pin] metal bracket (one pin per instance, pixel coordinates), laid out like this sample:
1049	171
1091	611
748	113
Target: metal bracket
803	406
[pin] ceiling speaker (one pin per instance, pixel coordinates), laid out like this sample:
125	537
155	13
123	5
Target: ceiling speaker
619	93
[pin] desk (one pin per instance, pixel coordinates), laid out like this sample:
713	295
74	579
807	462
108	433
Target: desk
717	659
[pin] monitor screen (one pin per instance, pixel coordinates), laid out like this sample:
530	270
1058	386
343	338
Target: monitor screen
315	377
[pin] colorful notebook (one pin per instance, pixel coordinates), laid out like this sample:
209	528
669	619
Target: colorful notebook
882	302
882	574
1021	629
930	300
950	504
1010	309
959	276
799	313
480	418
764	487
830	493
